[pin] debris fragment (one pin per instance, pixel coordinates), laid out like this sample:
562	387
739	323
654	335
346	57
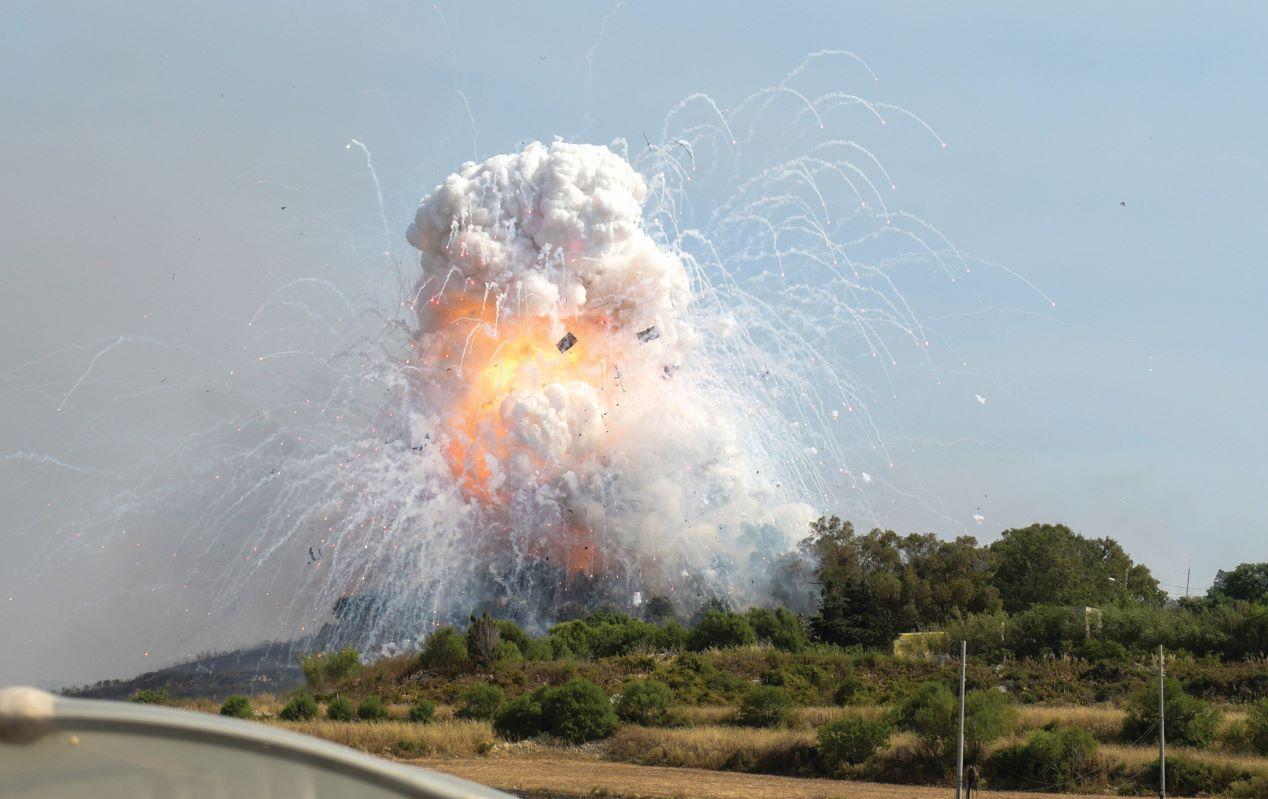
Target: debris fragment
650	334
669	371
564	344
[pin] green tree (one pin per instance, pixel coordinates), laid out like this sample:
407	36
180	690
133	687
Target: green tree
300	708
238	707
422	711
851	740
340	709
150	696
1050	564
1257	726
578	711
720	630
646	702
765	706
325	668
372	709
1190	721
521	717
444	650
780	628
480	701
1248	582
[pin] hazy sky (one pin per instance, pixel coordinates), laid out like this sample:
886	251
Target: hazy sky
1111	154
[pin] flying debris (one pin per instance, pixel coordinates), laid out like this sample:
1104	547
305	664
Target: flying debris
979	518
1123	203
564	344
669	371
313	557
650	334
867	478
980	399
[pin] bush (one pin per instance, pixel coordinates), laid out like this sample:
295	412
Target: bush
299	708
988	716
237	706
538	649
150	696
765	706
508	652
329	667
1187	777
480	701
578	711
444	650
1257	727
520	718
932	713
372	709
1190	721
851	740
422	711
780	628
645	702
340	709
1064	757
850	691
721	630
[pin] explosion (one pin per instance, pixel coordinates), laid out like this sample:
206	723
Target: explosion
554	373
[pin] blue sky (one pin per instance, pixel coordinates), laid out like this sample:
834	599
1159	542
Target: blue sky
137	134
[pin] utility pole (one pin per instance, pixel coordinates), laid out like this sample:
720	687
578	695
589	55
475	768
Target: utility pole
959	757
1162	725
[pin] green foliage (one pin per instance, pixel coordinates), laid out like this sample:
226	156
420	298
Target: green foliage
480	701
326	668
765	706
577	711
1050	564
780	628
1248	582
445	650
851	740
1065	758
805	683
340	709
372	709
1190	721
520	718
538	649
509	631
1187	777
719	629
874	586
150	696
988	716
237	706
1257	727
300	708
646	702
932	713
422	711
850	690
508	652
607	634
660	610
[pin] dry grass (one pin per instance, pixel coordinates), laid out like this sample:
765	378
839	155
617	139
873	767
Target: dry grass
1143	755
402	739
707	747
1103	721
568	777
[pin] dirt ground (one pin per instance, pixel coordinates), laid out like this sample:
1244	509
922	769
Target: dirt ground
568	777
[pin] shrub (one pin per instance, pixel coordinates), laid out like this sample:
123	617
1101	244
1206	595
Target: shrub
339	709
508	652
1065	757
1257	727
578	711
372	709
237	706
328	667
299	708
851	740
538	649
1187	777
520	718
850	691
805	682
1190	721
509	631
765	706
780	628
1249	788
720	630
422	711
150	696
931	712
645	702
480	701
988	716
445	650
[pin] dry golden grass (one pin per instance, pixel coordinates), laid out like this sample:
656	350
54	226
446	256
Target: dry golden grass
568	776
707	747
400	738
802	717
1143	755
1103	721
